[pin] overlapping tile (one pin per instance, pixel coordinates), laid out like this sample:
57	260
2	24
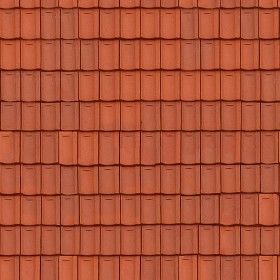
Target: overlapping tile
139	139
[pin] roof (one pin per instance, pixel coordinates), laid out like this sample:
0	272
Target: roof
139	139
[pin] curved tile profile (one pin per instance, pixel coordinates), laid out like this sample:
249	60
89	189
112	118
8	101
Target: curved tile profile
139	139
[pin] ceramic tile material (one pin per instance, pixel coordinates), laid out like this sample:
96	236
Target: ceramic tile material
139	139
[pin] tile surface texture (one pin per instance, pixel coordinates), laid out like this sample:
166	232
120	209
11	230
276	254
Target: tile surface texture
139	139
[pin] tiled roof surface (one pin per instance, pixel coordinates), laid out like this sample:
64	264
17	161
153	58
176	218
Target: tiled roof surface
139	140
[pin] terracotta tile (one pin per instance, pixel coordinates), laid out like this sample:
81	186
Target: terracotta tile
209	240
150	204
9	267
151	240
30	267
50	210
49	3
230	178
210	147
50	55
70	55
268	4
130	209
67	267
150	54
69	112
210	180
108	54
110	240
130	85
130	4
68	3
130	267
150	116
10	54
170	58
10	23
10	179
249	3
150	179
167	16
150	23
190	212
249	267
50	23
188	3
30	23
269	240
89	116
9	111
230	267
170	147
129	54
130	23
190	147
108	267
209	209
9	4
268	23
190	55
30	240
130	240
88	180
109	23
269	54
87	266
268	267
50	240
10	146
89	55
230	54
249	209
230	240
250	240
250	178
49	267
229	21
109	85
89	86
150	3
69	23
269	178
70	241
210	85
30	179
108	179
250	85
190	179
150	152
249	62
230	209
150	267
88	205
189	19
170	240
208	23
10	204
68	180
130	179
150	85
87	148
250	116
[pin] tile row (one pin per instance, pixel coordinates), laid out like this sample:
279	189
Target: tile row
137	240
69	210
5	4
133	148
139	23
136	267
53	86
144	116
70	55
132	180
